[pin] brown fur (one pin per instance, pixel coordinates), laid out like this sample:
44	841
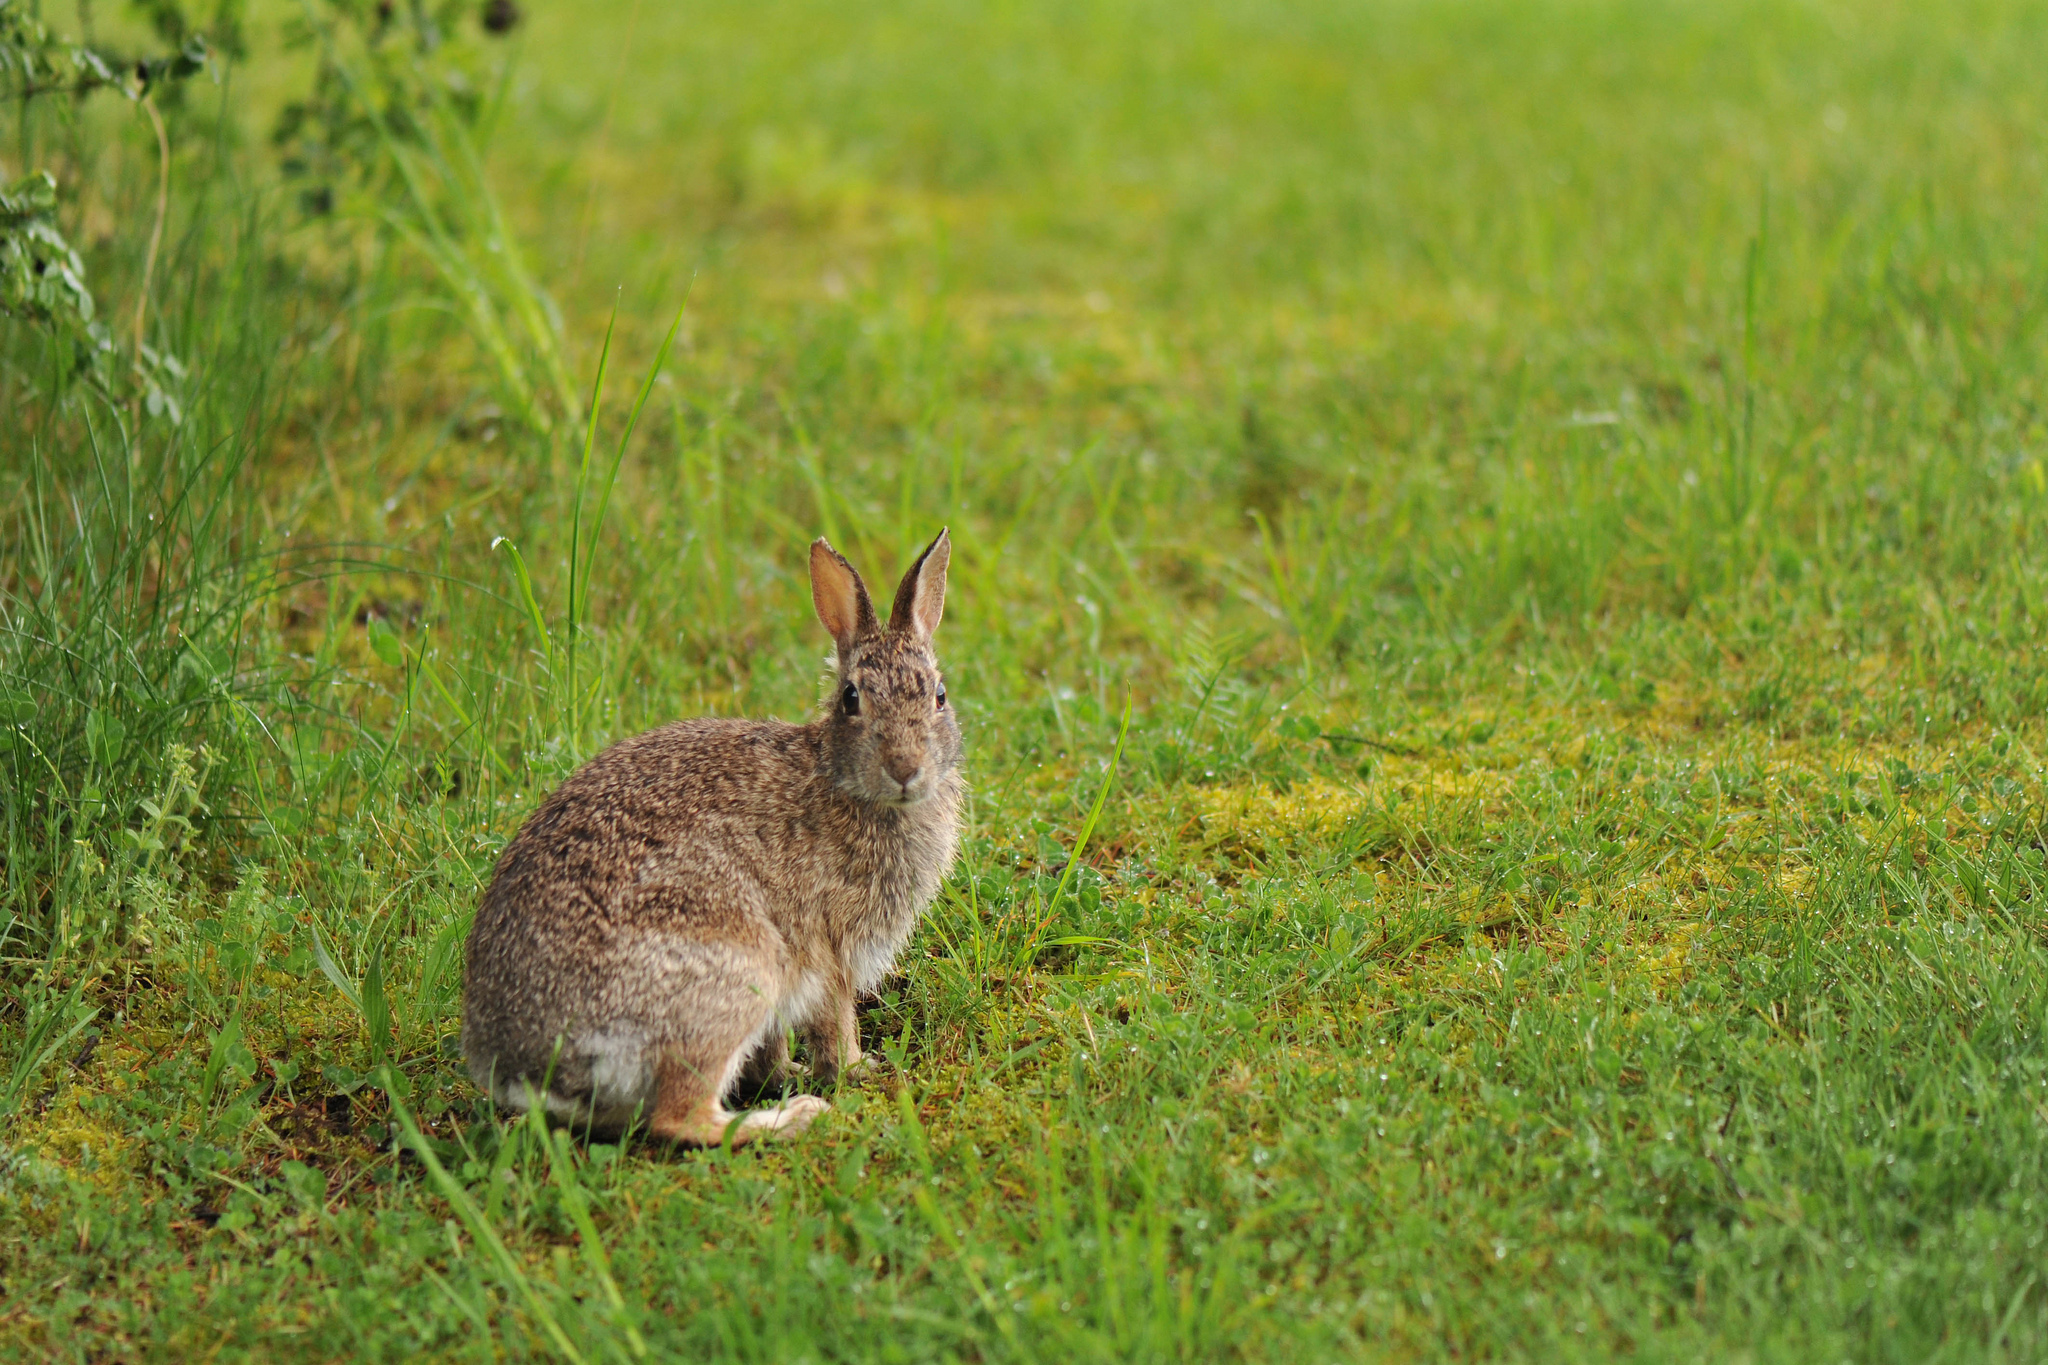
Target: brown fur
693	893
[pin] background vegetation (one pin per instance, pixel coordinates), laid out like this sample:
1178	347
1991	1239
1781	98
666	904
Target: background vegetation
1560	487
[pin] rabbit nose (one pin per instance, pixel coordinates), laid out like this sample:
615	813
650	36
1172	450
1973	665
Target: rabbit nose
902	767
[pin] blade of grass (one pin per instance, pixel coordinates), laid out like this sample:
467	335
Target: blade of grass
480	1228
561	1164
1036	942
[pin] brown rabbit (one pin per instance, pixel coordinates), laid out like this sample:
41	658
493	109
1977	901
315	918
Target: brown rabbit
691	894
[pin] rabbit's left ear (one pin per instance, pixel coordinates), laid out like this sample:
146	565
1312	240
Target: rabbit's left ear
921	596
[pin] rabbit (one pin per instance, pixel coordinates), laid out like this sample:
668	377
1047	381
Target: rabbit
692	894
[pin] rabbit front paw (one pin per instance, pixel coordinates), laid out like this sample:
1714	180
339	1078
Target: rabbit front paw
827	1071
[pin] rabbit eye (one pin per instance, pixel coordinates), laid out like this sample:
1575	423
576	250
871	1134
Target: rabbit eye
942	697
849	699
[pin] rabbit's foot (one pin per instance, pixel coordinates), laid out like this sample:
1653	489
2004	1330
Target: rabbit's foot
707	1127
786	1119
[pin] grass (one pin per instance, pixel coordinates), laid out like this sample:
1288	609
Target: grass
1559	488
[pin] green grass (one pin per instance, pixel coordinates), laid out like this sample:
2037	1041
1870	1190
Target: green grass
1562	490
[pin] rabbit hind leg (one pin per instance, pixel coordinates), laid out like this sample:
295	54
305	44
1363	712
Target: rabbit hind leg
726	999
689	1108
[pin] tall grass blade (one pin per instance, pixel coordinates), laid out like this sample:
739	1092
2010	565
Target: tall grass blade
480	1228
50	1026
1052	905
561	1164
527	599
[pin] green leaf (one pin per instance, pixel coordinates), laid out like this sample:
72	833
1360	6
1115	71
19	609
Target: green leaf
16	708
333	973
384	642
196	665
104	737
1298	727
346	1080
308	1184
41	277
377	1008
229	1059
445	953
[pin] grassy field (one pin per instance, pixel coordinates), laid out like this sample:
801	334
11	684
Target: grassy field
1560	488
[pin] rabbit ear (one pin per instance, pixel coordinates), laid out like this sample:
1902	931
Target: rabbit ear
840	596
921	597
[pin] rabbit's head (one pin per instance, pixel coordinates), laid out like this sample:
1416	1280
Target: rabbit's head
892	737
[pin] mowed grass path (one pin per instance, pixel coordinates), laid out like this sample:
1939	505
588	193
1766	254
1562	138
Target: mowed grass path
1559	488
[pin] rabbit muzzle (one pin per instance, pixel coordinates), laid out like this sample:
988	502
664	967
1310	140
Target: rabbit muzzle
907	772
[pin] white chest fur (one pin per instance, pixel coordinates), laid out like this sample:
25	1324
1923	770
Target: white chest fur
904	880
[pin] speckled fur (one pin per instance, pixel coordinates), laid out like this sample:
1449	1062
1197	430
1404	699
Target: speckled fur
693	893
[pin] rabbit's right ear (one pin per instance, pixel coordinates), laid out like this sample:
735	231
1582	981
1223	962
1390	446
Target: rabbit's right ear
840	596
921	597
